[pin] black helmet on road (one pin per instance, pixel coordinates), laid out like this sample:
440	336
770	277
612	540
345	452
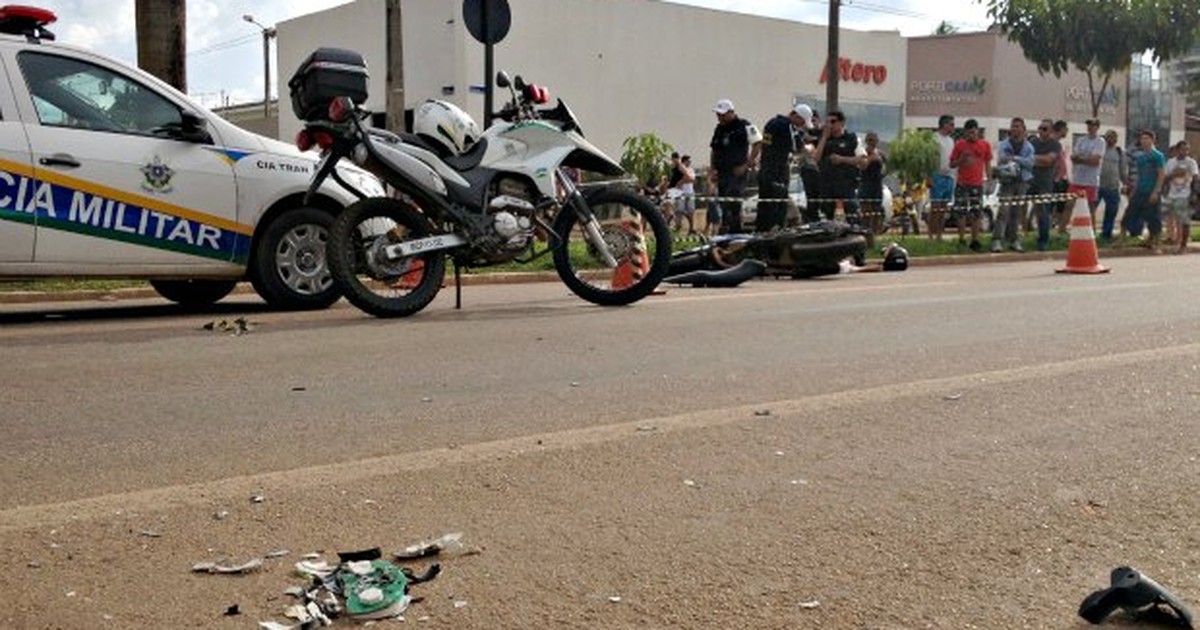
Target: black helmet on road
895	258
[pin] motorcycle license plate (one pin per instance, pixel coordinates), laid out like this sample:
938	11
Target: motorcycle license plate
423	245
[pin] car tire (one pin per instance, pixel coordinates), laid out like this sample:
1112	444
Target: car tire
193	293
289	268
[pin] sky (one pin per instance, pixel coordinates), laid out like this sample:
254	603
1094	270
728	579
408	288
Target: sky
225	51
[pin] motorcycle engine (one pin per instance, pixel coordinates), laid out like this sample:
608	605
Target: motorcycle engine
511	209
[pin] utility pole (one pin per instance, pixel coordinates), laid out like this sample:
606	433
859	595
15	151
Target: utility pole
162	39
395	68
268	33
831	64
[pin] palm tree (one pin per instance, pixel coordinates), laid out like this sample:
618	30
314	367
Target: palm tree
945	28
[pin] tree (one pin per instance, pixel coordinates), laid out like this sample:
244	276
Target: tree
1098	37
645	157
914	156
945	28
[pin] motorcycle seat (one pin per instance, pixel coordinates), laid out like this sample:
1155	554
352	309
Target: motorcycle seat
470	159
464	162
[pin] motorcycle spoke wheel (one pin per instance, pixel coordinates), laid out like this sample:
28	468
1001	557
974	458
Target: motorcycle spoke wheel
636	236
364	273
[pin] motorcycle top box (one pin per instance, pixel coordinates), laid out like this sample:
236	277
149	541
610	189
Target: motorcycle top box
327	73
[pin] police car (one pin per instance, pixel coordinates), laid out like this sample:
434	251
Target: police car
107	171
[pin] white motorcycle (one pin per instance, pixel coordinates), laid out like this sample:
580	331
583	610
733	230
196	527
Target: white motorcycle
503	196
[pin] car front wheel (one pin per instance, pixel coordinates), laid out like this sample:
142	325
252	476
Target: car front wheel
288	268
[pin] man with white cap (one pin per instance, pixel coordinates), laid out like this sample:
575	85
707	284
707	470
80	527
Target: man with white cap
731	158
779	142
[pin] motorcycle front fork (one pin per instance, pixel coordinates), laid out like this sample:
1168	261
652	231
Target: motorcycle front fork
587	220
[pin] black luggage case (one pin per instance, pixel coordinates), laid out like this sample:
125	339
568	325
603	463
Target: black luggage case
327	73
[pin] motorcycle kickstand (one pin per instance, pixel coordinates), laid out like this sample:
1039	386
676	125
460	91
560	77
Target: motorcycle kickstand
457	286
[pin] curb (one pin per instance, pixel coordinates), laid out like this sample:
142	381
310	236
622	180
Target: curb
522	277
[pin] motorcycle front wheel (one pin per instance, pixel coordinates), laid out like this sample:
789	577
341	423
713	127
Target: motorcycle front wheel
635	234
362	271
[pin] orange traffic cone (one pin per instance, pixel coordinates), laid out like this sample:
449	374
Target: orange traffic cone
631	270
1082	256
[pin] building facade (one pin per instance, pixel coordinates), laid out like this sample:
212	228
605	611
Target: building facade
628	67
624	66
986	77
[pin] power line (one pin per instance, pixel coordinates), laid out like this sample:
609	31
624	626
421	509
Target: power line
870	7
227	44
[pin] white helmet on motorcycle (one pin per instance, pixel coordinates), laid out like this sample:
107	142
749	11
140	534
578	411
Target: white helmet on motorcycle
446	126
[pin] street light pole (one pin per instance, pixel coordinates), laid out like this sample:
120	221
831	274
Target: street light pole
267	34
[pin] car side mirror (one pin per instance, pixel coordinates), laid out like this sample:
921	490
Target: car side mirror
194	128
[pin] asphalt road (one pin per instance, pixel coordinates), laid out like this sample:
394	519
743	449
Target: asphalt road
971	446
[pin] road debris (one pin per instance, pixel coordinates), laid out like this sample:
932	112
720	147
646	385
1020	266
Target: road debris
810	605
278	553
237	327
150	533
221	515
1138	596
258	498
762	413
616	599
955	396
233	611
228	569
448	544
690	483
362	587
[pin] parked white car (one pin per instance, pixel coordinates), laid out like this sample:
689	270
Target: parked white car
105	171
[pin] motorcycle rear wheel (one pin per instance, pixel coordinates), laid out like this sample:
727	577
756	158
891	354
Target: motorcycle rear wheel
637	236
381	287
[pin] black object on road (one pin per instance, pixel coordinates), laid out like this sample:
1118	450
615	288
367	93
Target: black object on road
1137	595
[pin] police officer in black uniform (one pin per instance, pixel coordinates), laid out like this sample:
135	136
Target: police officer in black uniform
735	145
779	142
840	166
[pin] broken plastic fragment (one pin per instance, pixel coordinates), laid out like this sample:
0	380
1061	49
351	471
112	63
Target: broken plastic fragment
278	553
315	568
450	543
690	483
810	605
952	396
271	625
762	413
213	567
616	599
150	533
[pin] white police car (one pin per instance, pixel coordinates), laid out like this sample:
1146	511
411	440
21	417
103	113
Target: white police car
107	171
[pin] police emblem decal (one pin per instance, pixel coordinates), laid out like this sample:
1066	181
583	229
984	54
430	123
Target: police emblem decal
158	176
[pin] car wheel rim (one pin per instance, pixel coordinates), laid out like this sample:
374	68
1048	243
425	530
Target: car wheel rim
300	259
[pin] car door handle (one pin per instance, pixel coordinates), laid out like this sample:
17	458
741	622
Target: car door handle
60	159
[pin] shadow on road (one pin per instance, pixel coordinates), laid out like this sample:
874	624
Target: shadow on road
78	313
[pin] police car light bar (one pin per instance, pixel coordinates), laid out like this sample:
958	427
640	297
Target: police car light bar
31	22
